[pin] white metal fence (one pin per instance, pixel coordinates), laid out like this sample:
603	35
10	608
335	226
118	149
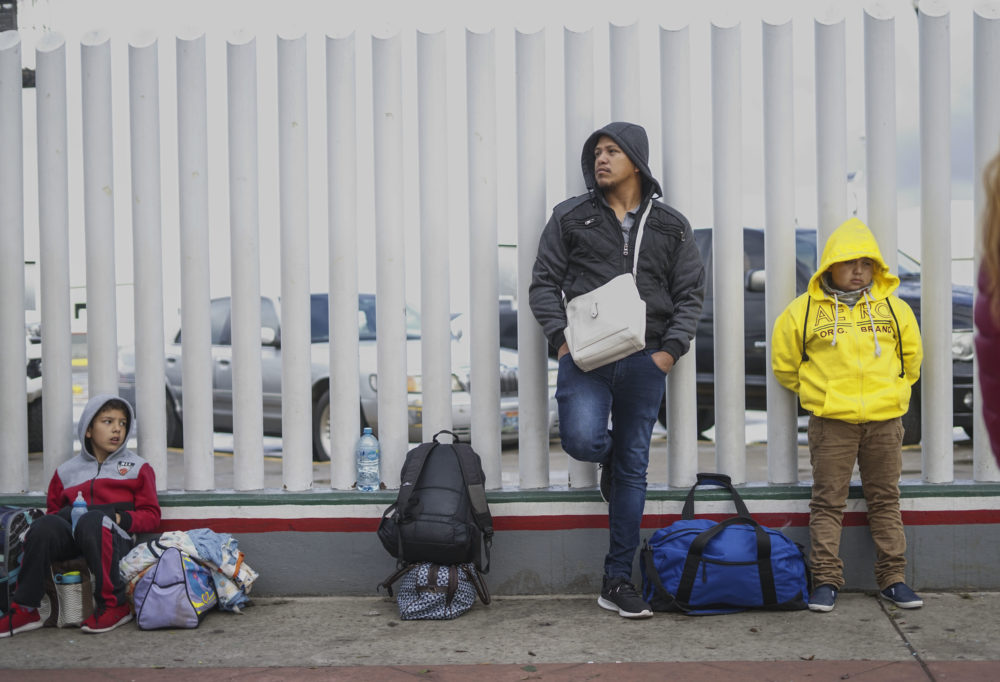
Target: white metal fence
394	79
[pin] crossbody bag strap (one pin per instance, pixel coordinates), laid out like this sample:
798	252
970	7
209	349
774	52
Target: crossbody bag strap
638	239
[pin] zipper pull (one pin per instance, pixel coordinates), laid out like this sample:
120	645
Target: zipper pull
625	251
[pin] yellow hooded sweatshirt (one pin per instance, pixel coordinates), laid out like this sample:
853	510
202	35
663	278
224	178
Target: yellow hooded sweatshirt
859	363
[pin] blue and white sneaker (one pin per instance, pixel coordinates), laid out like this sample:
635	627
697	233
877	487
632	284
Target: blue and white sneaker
823	598
902	596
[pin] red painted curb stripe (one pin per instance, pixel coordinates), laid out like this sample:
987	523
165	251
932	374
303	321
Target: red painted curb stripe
779	520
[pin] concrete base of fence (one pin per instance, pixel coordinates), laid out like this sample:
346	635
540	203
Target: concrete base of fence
554	541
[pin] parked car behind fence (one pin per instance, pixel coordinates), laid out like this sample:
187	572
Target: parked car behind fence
271	376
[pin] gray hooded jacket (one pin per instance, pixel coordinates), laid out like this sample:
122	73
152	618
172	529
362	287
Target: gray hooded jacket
582	247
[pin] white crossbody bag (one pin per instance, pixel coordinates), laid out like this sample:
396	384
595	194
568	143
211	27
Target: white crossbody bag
608	323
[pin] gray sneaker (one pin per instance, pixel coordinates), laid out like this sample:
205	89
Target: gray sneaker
902	596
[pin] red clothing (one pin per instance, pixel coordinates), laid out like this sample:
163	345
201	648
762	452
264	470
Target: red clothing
124	481
988	360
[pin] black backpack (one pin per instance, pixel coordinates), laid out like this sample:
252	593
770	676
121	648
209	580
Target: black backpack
441	515
14	523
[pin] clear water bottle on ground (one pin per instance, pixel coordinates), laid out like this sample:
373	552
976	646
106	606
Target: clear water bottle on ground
79	508
366	458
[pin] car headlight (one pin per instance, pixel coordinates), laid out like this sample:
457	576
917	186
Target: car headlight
415	384
962	345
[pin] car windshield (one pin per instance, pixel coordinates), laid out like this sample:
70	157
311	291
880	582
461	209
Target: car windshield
320	319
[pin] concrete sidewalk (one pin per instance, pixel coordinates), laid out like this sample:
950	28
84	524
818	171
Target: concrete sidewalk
955	636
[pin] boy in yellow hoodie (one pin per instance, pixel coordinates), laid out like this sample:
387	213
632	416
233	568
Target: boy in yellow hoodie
851	350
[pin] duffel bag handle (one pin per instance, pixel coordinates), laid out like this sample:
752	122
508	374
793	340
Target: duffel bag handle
764	568
721	480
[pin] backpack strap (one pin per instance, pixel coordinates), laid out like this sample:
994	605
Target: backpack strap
475	484
411	474
805	321
899	338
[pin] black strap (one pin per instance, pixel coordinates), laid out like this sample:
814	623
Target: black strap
899	338
721	480
697	549
469	463
399	573
805	356
478	582
670	601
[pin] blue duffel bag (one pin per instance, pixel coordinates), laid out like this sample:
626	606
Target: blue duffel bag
704	567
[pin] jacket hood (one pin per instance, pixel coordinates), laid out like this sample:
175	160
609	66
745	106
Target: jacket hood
94	406
853	240
631	137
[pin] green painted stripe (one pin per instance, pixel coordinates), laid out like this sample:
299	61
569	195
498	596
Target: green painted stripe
757	492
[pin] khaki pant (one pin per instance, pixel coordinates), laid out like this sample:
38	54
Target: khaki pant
834	446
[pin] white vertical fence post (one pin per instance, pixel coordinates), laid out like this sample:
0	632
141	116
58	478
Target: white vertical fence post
935	241
435	296
390	254
625	61
779	238
13	359
831	125
533	397
296	337
247	392
675	131
99	213
880	129
986	118
727	253
342	200
147	252
53	244
578	49
484	303
196	342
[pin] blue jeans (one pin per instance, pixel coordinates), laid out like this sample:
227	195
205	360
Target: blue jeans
630	392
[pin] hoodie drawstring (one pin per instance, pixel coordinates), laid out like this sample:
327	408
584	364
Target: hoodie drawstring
871	321
836	316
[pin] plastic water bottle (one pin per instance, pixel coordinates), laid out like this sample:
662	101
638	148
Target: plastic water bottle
79	508
366	458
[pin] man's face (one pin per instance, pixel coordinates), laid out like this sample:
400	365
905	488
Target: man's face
612	166
851	275
107	432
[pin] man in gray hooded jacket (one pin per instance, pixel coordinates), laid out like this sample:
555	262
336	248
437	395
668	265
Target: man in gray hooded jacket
589	240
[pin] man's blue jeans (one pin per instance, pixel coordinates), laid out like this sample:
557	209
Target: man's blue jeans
630	392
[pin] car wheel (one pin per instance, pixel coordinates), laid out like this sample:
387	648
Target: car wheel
321	429
175	427
706	419
35	425
911	421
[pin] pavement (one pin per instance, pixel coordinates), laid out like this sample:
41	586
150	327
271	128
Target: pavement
955	636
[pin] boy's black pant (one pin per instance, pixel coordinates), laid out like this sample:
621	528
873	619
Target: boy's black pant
99	539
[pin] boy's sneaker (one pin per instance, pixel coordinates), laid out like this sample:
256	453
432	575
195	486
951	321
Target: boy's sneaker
902	596
19	619
108	620
618	594
823	598
606	483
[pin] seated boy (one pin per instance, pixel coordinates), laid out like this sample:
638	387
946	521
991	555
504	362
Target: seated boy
851	350
120	490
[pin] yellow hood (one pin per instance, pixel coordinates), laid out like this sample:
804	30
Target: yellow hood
853	240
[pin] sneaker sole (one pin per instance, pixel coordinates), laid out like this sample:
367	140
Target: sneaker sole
822	608
94	631
904	604
611	606
27	627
